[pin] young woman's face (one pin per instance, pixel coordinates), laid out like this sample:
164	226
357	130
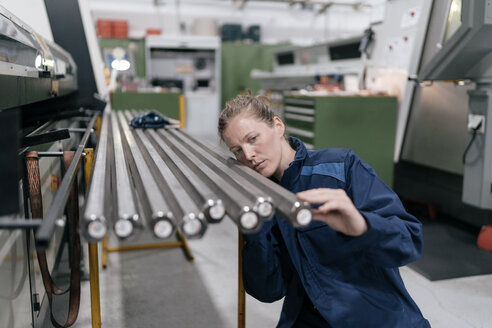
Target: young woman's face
256	144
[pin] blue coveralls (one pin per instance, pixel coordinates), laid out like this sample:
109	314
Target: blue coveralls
352	281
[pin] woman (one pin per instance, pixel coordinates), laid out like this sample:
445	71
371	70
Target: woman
342	269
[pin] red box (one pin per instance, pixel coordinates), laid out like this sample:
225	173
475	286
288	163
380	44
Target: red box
104	28
112	29
120	29
153	31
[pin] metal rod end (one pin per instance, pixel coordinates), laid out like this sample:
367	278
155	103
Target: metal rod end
301	213
248	220
264	208
214	210
194	225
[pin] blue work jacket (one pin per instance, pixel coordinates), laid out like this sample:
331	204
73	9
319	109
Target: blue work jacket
352	281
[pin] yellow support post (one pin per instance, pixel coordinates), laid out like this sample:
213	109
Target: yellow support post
105	251
94	281
182	113
88	162
241	302
184	244
143	246
93	256
98	125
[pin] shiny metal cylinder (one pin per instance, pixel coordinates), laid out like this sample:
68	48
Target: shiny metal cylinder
126	219
212	207
286	203
178	199
263	203
158	211
94	225
236	204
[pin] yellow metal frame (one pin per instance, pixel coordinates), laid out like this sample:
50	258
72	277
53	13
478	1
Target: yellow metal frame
182	112
93	249
241	299
93	252
182	242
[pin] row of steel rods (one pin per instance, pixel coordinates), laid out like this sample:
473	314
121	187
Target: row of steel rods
263	205
238	206
286	203
168	180
160	217
190	218
211	206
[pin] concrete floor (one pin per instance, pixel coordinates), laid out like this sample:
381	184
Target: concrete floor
160	288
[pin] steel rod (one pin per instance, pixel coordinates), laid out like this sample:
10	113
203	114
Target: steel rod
191	220
79	130
286	203
94	224
127	219
213	207
13	224
296	212
263	203
237	205
162	219
43	127
50	154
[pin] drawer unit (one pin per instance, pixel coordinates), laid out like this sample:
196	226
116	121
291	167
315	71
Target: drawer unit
364	124
299	117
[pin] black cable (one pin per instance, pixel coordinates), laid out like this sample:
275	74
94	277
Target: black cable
475	130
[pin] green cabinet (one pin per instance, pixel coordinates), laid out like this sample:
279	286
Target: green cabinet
364	124
166	103
238	59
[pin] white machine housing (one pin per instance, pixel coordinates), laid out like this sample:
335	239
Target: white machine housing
191	63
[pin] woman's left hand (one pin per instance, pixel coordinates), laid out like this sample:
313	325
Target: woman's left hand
336	210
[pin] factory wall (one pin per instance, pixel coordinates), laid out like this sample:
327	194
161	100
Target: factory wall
279	22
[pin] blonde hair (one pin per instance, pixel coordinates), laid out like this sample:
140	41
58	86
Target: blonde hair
256	106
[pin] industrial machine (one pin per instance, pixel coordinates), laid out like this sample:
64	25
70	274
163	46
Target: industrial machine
297	67
192	65
434	57
466	54
60	141
445	152
45	113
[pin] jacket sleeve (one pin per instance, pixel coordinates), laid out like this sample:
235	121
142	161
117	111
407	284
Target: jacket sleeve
262	269
394	237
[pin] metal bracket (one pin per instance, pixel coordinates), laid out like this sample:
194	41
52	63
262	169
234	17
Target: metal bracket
50	136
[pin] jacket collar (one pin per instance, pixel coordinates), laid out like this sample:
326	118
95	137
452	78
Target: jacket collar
298	146
291	173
